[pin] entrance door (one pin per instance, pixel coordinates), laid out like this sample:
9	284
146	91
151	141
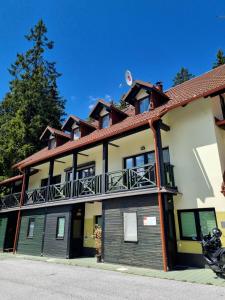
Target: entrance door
77	231
10	232
171	233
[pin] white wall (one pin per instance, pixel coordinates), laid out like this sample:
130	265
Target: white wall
194	153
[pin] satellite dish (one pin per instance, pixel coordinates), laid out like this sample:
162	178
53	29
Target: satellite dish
128	78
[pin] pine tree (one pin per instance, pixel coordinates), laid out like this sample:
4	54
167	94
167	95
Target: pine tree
122	104
182	76
32	103
220	59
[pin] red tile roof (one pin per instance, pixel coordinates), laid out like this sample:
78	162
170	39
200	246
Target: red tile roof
12	179
202	86
78	120
54	131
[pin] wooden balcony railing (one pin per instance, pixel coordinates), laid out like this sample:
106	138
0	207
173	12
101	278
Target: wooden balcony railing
129	179
117	181
11	200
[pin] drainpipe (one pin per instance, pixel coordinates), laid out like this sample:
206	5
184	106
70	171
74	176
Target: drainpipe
160	203
19	212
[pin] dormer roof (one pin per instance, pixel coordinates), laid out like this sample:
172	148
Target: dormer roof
138	85
52	131
73	119
109	107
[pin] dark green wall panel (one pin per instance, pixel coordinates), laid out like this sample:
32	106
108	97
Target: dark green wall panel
52	246
3	225
31	246
147	252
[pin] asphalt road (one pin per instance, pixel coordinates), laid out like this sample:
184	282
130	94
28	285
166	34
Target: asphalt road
25	279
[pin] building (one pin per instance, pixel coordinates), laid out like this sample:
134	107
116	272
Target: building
149	174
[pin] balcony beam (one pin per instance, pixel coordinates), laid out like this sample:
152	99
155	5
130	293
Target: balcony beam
164	126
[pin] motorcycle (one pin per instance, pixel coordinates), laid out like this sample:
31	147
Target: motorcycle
213	252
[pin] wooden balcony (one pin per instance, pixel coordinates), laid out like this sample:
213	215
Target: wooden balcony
138	178
9	201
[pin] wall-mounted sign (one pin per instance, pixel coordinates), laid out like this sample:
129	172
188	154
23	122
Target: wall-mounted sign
149	221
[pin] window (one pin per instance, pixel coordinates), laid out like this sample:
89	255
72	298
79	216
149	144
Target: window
144	105
69	176
207	221
55	179
145	158
44	182
130	227
105	121
195	223
60	228
76	134
85	172
52	143
98	220
30	231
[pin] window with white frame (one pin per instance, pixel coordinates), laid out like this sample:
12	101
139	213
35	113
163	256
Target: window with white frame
130	227
60	227
76	133
144	105
30	231
52	143
105	121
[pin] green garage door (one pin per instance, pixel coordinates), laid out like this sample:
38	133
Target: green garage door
3	225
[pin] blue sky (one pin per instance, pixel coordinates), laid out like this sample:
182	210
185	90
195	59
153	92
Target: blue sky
96	41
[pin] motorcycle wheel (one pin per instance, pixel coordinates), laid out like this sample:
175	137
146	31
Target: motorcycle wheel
220	275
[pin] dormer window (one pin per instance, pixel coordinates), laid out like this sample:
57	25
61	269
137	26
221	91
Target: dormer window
106	114
54	137
144	96
52	143
105	121
77	127
76	134
144	105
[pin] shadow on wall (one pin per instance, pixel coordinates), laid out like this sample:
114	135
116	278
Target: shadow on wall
203	184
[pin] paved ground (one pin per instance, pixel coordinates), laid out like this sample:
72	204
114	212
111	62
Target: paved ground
28	279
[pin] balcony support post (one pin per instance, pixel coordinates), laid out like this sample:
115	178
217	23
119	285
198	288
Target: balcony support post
50	176
155	126
104	166
160	153
25	183
74	173
50	171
